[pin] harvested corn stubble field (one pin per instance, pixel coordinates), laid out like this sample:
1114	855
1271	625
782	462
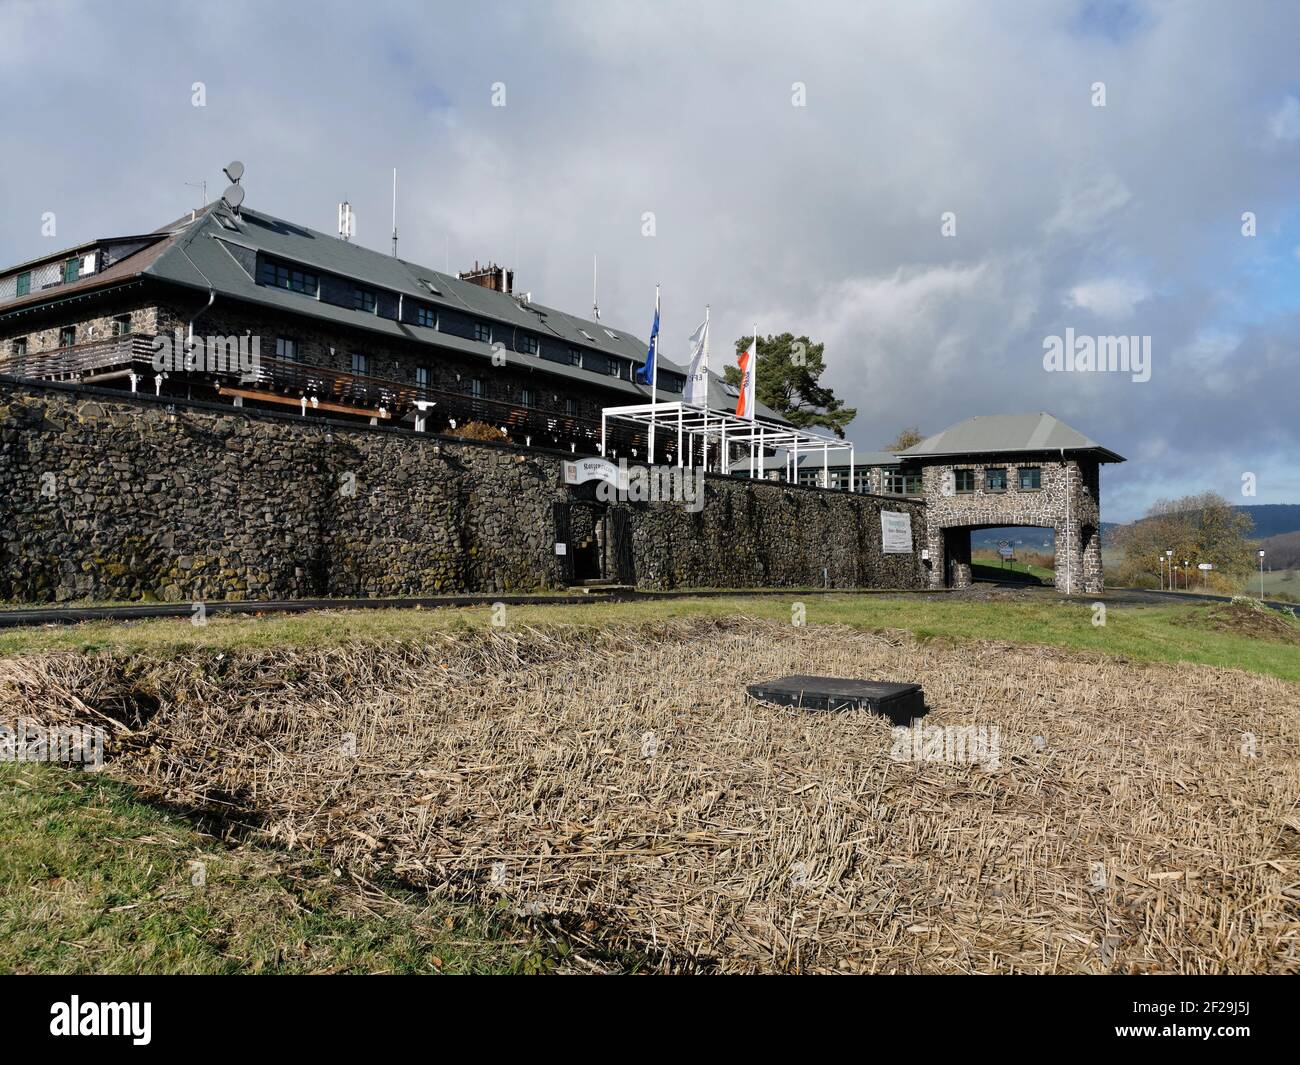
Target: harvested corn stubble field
619	786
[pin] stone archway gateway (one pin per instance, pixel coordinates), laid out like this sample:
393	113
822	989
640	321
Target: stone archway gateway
1012	470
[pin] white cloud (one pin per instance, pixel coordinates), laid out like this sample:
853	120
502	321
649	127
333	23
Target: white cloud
1083	210
1284	123
1108	297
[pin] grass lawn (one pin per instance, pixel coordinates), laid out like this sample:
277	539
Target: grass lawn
1154	634
94	880
1278	584
994	569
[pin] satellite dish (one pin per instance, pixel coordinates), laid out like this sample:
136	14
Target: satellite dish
233	196
235	171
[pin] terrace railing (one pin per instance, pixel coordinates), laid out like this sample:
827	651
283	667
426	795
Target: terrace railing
130	351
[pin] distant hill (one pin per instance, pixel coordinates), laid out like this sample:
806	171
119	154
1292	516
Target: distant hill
1282	551
1274	519
1273	522
1271	519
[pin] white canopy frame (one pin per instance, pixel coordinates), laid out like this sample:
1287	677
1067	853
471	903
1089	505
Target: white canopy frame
723	429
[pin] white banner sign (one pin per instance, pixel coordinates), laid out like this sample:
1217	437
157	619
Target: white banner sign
895	532
585	470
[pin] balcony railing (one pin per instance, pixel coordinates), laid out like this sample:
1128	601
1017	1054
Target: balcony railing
130	351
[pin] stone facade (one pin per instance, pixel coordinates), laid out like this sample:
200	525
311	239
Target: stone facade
143	318
104	495
1067	502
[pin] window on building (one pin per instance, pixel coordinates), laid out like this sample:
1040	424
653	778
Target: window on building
426	316
24	283
483	332
71	269
476	388
1031	478
526	396
121	325
575	357
570	406
422	376
360	363
995	480
67	336
281	275
286	348
965	480
20	346
616	368
898	483
528	344
363	299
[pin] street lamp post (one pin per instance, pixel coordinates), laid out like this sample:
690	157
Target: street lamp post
1169	563
1261	575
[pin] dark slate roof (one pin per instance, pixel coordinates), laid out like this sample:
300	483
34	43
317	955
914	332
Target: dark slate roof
1008	434
205	257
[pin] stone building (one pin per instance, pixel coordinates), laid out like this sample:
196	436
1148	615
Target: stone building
231	309
337	330
1024	470
1012	470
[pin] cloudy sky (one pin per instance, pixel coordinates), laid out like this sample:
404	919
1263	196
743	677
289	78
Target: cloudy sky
825	218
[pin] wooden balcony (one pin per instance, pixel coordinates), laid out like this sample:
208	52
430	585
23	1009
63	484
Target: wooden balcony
125	353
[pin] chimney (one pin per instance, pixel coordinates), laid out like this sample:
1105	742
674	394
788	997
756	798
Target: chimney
493	277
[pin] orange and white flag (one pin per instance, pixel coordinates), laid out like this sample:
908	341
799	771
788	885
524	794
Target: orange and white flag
748	360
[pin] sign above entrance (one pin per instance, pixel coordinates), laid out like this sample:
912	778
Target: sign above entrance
895	532
594	469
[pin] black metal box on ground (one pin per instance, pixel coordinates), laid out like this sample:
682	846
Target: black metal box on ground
898	702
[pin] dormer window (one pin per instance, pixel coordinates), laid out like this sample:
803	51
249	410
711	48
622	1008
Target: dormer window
280	275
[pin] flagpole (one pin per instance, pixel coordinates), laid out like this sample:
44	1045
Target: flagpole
654	380
705	367
751	399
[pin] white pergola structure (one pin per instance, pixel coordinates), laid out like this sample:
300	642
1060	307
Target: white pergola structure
692	424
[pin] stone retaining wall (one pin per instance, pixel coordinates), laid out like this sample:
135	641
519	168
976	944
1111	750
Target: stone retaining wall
105	496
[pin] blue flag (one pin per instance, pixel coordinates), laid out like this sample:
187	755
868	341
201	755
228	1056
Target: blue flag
646	374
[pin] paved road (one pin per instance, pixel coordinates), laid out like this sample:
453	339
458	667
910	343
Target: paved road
67	615
1138	596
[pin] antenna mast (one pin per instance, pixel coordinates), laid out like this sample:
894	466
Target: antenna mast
394	212
595	306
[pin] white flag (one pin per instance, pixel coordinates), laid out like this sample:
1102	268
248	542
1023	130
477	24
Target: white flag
696	392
